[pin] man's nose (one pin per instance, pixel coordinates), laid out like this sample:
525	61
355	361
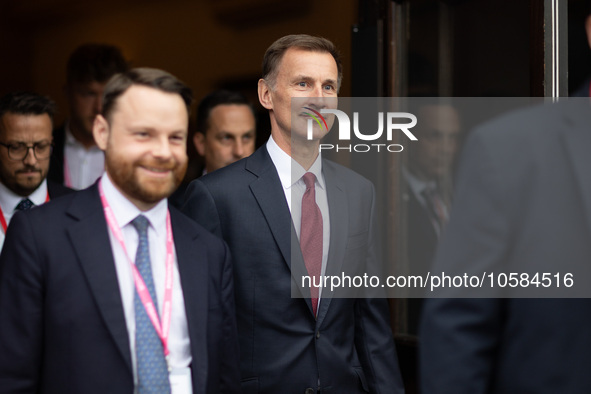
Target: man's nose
449	145
238	150
162	149
320	99
30	158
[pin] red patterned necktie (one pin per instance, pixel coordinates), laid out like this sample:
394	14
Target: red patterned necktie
311	236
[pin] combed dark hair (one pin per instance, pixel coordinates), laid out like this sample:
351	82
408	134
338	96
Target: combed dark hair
150	77
95	62
276	51
26	103
212	100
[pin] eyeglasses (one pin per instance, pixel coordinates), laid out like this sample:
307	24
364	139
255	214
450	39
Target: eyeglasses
19	151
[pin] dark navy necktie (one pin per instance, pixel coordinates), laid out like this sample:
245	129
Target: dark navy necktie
24	205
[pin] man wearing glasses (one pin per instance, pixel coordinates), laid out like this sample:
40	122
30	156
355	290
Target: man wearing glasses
25	146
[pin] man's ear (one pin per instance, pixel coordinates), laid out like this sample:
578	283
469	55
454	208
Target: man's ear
265	94
199	142
588	29
100	132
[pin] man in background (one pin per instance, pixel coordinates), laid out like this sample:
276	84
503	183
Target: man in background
226	129
226	132
428	184
76	160
26	123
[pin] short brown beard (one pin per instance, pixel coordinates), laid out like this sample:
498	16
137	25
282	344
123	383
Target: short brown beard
123	175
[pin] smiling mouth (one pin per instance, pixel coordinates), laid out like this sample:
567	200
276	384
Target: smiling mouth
157	171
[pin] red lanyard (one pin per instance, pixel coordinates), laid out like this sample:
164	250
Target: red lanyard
162	326
3	219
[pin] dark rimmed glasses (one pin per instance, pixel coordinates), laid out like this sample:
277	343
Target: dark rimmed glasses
19	151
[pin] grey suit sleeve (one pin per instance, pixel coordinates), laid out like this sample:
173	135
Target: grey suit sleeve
459	336
21	309
200	206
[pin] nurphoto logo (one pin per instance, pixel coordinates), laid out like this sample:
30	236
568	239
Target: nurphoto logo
391	119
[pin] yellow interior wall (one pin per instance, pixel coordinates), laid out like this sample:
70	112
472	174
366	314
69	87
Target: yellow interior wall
182	37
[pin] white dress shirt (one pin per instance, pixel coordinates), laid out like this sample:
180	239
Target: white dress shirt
81	166
125	212
9	200
291	176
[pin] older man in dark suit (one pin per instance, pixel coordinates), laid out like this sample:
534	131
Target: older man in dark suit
286	213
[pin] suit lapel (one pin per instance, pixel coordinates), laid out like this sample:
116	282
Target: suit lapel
90	240
268	192
578	143
339	220
193	272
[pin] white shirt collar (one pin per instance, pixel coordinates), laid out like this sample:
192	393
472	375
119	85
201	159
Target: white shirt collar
125	211
417	185
289	170
9	200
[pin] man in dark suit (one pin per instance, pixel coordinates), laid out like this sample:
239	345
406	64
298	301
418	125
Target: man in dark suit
521	205
25	145
428	179
76	161
318	343
226	132
226	129
109	290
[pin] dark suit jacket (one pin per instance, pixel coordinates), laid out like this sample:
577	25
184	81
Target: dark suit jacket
56	190
284	349
422	242
62	326
522	203
177	198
